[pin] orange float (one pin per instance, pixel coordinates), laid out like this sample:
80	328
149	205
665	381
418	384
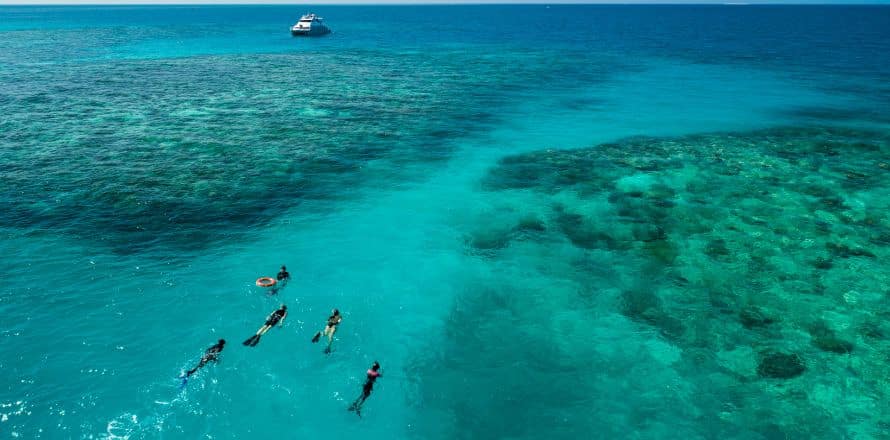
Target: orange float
265	281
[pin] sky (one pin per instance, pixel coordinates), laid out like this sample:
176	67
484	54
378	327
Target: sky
347	2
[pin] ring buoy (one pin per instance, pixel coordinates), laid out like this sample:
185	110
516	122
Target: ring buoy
265	281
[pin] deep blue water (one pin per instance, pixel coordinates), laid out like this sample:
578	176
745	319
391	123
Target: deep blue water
543	221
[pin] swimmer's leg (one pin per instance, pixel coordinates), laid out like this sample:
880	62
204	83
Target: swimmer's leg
359	401
357	405
330	333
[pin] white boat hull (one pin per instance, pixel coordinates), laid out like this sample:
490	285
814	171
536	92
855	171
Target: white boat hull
310	32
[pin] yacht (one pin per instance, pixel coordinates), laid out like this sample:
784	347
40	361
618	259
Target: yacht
310	25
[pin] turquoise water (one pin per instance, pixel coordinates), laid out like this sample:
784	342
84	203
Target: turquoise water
645	222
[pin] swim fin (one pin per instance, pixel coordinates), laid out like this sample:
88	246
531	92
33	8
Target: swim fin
327	350
255	341
251	341
316	337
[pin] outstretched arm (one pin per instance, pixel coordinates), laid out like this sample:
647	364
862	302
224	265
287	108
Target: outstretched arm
281	323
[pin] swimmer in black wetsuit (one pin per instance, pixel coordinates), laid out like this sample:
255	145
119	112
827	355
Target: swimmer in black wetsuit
211	355
372	374
283	277
277	317
329	329
283	274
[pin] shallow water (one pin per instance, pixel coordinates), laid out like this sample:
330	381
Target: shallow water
646	222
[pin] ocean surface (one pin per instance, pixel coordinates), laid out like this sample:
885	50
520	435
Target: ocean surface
545	222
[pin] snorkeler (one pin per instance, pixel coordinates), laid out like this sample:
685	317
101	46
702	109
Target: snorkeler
283	274
210	355
283	277
329	329
277	317
373	374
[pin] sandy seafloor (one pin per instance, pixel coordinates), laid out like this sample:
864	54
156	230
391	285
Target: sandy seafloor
544	222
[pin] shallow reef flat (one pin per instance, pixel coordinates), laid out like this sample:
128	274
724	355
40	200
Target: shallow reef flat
727	285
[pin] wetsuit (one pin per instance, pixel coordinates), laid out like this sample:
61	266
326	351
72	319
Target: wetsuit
212	354
275	317
283	275
369	384
334	320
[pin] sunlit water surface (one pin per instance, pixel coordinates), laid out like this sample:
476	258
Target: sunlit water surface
544	222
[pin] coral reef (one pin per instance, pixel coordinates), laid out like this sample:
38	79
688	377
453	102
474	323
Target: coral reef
751	264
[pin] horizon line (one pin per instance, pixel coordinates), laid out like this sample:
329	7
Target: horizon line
444	3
